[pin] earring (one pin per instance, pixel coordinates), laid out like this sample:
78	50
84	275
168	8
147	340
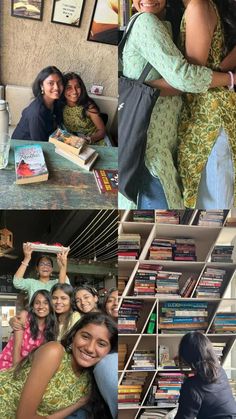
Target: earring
42	90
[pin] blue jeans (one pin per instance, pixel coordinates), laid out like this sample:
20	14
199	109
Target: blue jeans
151	193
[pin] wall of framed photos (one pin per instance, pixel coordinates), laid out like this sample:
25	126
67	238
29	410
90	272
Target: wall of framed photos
27	45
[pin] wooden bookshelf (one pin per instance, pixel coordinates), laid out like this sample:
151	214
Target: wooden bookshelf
205	237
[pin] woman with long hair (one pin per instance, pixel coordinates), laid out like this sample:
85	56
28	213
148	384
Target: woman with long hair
57	379
44	269
207	129
81	115
43	115
207	393
110	304
40	326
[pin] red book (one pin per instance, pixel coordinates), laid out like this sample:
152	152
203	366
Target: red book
107	180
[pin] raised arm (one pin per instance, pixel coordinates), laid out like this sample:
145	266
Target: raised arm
46	362
18	338
27	249
62	264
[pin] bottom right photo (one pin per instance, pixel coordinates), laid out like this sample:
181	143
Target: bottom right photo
177	314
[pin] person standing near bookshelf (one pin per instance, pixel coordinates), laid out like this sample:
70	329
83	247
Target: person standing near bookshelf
81	115
207	394
43	115
44	268
150	41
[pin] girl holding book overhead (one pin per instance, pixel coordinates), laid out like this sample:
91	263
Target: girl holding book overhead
40	325
57	379
43	115
207	393
81	115
44	268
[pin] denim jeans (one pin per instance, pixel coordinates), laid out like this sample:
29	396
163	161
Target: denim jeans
151	193
216	188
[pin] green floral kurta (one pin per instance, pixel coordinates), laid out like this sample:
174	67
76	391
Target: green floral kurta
149	41
202	117
64	389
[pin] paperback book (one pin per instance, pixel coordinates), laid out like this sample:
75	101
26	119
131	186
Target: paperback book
107	180
67	142
30	164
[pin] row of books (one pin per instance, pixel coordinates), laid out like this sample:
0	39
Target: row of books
179	249
129	246
130	390
210	283
129	314
222	254
224	322
143	216
165	390
213	218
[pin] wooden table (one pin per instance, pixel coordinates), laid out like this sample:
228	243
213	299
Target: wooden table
68	186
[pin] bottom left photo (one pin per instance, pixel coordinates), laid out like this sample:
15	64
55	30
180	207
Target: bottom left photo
58	314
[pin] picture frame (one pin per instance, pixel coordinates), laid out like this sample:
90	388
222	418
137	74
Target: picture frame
67	12
104	23
29	9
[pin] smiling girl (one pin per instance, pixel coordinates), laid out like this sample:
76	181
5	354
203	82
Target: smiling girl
43	115
86	299
56	380
40	326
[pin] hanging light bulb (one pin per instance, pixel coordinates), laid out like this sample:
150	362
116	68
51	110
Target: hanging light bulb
95	258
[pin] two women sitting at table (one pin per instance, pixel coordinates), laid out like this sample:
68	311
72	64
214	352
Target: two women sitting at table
60	99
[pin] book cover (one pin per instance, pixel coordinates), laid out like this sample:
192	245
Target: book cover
107	180
77	160
30	164
67	142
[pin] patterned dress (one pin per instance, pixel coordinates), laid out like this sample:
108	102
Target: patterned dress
203	115
63	390
149	41
27	346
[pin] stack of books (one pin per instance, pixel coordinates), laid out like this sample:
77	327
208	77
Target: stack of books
211	218
222	253
143	216
183	317
166	389
210	283
129	313
161	249
182	249
129	392
219	349
144	360
154	414
167	217
224	323
145	280
73	148
122	354
167	284
129	246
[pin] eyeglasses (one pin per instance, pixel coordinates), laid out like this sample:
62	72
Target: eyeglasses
45	264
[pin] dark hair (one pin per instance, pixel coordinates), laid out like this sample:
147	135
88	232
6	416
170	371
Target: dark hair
44	257
68	290
197	351
94	318
50	330
174	13
91	290
43	74
107	296
84	100
227	11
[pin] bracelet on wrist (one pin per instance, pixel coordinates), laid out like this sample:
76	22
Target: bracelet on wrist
231	85
25	264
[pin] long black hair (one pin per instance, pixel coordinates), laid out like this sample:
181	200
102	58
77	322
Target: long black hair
84	100
98	406
197	351
43	74
68	290
50	330
227	11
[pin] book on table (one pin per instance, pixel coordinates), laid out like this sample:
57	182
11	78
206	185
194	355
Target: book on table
30	164
85	159
107	180
67	142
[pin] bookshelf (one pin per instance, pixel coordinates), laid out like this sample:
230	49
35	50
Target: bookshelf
205	238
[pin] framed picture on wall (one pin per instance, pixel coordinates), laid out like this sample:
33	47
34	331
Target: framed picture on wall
104	24
67	12
30	9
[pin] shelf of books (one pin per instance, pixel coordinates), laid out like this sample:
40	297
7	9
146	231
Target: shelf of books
176	274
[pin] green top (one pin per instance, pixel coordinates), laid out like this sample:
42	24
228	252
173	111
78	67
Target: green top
150	41
63	390
74	120
74	317
32	285
202	117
